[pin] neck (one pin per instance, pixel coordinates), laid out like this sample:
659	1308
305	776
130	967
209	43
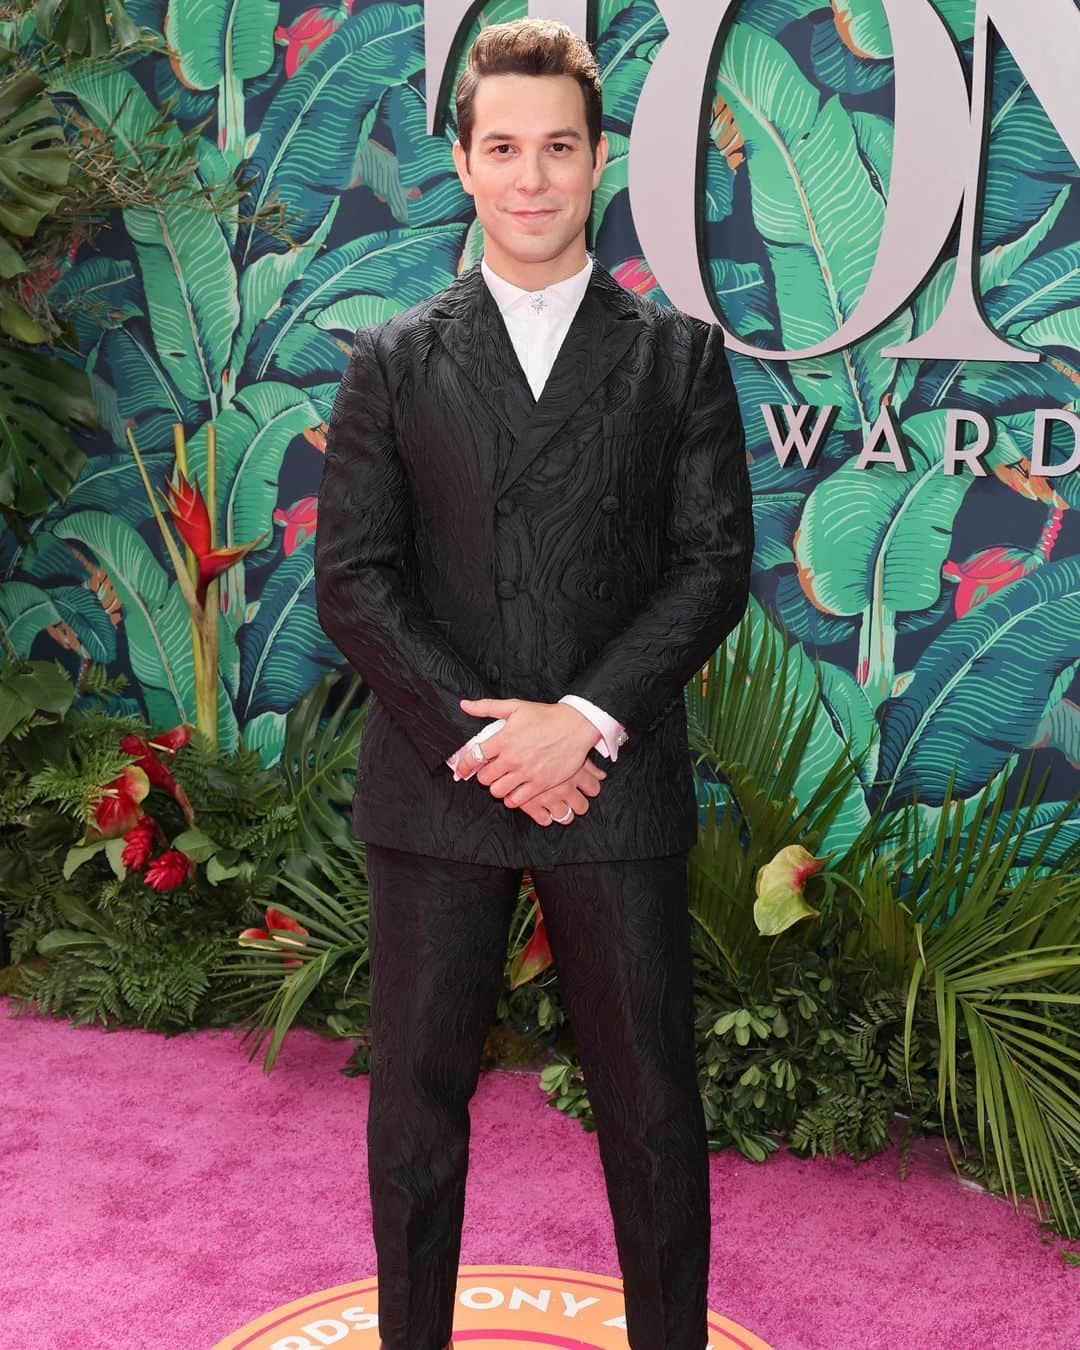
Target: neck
534	276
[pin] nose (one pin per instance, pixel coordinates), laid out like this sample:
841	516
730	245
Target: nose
531	175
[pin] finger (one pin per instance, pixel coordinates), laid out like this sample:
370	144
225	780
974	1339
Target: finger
496	707
513	788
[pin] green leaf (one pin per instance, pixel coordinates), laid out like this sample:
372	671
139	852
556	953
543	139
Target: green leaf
42	398
78	854
874	535
319	117
156	619
982	688
184	256
196	843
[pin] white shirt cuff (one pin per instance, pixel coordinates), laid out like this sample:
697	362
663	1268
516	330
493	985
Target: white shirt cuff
612	733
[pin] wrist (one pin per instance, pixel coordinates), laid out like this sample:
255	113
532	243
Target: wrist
579	727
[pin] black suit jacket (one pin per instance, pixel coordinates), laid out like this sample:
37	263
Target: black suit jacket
474	542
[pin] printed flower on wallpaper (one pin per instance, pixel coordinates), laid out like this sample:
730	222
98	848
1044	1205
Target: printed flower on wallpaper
944	611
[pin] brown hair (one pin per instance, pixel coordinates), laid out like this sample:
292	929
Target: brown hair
530	47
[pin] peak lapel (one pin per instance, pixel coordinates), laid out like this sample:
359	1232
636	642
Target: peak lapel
472	330
470	327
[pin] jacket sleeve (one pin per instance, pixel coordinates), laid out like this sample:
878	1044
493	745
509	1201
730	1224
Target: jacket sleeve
641	673
364	601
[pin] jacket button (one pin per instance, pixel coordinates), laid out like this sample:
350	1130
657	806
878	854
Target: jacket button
609	504
504	506
493	672
506	589
603	590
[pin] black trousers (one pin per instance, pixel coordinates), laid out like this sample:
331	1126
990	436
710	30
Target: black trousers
619	933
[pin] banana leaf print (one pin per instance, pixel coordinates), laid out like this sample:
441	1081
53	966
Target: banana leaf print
283	649
938	609
982	689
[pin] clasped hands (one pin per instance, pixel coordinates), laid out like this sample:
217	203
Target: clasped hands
538	761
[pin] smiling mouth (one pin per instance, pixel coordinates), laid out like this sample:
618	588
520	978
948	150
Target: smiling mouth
528	214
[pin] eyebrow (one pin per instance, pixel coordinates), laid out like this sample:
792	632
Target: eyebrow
563	134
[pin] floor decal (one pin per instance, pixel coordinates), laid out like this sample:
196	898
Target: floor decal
497	1308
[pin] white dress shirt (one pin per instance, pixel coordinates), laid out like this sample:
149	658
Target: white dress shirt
537	322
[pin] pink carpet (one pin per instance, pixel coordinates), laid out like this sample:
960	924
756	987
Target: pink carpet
162	1192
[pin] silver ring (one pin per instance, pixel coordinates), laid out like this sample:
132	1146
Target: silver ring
561	820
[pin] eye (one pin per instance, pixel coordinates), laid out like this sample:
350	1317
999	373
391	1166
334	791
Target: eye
560	143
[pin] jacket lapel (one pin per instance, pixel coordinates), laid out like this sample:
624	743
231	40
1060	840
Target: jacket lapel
467	319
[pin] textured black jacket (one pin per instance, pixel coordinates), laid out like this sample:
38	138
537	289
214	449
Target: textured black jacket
473	542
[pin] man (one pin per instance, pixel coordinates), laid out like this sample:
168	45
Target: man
534	527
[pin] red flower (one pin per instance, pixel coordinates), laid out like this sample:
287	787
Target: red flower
986	572
142	752
278	925
169	870
171	741
635	275
535	957
139	841
306	33
118	809
192	520
299	521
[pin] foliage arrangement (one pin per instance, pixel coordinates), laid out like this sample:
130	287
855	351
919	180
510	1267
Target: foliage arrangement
131	858
930	969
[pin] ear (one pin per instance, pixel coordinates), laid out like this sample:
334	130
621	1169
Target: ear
461	164
602	149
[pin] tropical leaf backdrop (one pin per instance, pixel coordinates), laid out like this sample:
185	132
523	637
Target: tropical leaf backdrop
944	612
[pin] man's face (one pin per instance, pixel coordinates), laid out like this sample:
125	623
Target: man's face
530	172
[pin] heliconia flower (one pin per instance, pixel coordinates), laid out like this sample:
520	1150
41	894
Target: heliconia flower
138	843
299	521
278	927
192	520
169	870
986	572
534	958
779	889
635	274
189	513
118	809
156	772
307	32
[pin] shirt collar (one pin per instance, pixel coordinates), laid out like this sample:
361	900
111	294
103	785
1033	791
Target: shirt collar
565	295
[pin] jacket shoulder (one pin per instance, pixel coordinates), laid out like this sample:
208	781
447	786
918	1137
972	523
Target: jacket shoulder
671	323
403	324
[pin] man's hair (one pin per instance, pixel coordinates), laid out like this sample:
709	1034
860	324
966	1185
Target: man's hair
529	47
